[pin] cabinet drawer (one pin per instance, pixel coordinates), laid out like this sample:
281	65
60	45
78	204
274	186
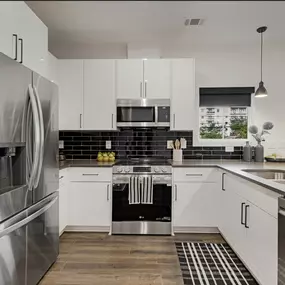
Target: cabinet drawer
89	174
196	174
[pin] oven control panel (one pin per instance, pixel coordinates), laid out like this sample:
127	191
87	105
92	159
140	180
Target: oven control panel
142	169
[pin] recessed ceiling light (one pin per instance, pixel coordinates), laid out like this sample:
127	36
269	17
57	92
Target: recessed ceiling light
42	59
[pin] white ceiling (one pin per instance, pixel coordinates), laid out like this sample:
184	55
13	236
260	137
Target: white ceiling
158	23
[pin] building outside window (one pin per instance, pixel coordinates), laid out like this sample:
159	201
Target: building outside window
223	122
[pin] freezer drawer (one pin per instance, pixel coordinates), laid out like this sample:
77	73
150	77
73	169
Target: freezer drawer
43	242
29	243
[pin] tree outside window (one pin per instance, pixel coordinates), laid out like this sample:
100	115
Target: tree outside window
223	123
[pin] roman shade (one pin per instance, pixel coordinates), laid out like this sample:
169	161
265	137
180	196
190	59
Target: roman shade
226	96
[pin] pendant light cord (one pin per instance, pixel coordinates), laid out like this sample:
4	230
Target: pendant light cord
261	55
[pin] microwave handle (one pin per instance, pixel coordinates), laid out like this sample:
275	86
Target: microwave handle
141	95
156	115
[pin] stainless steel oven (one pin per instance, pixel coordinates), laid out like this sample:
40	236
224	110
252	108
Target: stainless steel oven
143	113
153	218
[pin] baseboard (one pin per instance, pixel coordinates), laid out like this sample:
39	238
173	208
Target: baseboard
101	229
198	230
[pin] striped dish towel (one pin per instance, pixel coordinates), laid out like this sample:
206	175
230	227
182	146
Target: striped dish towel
134	190
147	190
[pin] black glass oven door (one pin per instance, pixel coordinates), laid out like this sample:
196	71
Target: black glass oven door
160	210
135	114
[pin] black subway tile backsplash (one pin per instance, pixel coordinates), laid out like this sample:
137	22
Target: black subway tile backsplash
129	143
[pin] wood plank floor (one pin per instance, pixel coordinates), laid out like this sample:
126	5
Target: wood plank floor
97	258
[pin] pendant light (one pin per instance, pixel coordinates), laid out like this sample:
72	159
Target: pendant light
261	90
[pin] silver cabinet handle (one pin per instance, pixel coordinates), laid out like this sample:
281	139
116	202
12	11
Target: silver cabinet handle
145	88
90	174
16	46
80	121
175	196
141	89
108	187
192	174
223	182
112	121
246	216
173	120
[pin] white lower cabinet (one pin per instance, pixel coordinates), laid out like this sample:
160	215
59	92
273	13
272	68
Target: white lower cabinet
262	241
194	198
192	205
251	231
90	204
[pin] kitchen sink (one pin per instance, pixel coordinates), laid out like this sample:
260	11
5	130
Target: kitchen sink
275	174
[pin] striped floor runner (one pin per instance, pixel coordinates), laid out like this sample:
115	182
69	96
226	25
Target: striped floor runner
211	264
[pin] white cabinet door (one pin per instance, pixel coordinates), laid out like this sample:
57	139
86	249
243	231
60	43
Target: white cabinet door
194	204
70	79
99	103
129	78
33	42
90	204
10	12
157	78
183	99
52	68
262	240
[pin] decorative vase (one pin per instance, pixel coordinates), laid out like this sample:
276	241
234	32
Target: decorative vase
259	153
247	152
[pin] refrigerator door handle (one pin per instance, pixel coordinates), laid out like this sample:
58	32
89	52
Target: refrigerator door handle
42	137
28	219
36	138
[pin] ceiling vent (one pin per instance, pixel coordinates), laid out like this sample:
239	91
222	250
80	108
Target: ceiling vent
193	22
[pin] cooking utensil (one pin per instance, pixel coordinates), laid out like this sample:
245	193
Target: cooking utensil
177	144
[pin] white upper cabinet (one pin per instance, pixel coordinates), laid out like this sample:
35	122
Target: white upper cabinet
129	78
33	42
24	37
52	68
99	103
137	78
10	13
183	99
157	78
70	79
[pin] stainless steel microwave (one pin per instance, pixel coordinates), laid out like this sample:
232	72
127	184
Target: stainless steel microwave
143	112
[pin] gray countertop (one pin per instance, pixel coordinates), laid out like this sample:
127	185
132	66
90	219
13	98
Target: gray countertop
84	163
233	166
236	167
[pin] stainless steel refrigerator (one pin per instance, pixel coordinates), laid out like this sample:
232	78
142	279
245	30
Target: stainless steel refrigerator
29	235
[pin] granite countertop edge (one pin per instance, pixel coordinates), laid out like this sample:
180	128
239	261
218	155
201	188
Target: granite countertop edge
235	167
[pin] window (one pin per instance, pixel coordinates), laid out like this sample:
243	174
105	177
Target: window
224	113
223	122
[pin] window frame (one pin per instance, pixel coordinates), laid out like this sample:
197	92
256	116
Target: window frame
197	141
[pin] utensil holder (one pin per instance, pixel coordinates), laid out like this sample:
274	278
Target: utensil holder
177	155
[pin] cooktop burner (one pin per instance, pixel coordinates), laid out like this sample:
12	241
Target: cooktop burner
140	161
